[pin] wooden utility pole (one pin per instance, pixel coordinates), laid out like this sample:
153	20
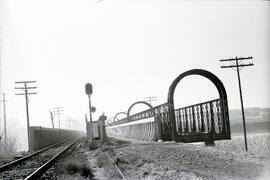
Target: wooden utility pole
52	118
5	119
58	111
237	63
25	88
68	122
150	99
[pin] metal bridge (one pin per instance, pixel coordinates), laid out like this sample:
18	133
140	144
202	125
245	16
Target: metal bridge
202	122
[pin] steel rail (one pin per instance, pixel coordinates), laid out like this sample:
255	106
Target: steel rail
120	172
41	170
115	165
13	163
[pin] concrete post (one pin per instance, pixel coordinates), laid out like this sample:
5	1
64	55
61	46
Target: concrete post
158	128
101	123
88	129
209	143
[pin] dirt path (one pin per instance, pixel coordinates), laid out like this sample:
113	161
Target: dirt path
183	161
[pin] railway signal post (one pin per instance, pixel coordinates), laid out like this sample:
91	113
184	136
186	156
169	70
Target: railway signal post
89	91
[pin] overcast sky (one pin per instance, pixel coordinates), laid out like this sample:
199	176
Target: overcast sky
128	50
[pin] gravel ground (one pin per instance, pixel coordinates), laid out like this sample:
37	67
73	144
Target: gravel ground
166	160
73	165
178	161
181	161
5	158
27	167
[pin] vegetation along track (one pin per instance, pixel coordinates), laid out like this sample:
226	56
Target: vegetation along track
115	166
34	165
110	163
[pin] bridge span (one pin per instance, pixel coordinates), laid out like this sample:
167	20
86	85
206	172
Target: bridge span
202	122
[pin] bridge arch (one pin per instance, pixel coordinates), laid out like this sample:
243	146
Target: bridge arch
138	102
115	117
111	120
210	76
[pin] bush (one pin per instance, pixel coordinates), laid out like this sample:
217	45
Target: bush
73	166
9	147
92	145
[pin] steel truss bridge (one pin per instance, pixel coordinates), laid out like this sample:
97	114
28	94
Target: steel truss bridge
203	122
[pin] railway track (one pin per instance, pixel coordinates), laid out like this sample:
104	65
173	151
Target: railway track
115	166
113	162
36	164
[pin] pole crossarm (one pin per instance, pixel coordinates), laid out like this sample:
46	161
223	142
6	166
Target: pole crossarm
20	94
25	88
18	82
58	110
58	107
236	58
240	65
25	94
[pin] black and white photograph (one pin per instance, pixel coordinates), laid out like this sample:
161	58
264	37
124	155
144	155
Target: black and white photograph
135	89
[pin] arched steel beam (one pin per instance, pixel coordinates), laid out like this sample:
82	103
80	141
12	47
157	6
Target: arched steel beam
118	114
110	120
138	102
213	78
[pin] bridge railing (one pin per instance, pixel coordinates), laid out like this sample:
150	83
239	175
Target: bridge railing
200	118
160	109
204	119
207	121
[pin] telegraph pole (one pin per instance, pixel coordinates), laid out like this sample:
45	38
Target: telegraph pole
237	62
52	118
58	111
5	123
25	88
68	122
150	99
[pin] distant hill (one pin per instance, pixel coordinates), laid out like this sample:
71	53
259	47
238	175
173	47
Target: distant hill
257	120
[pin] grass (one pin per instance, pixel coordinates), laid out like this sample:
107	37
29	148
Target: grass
7	150
258	144
72	166
9	147
93	145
